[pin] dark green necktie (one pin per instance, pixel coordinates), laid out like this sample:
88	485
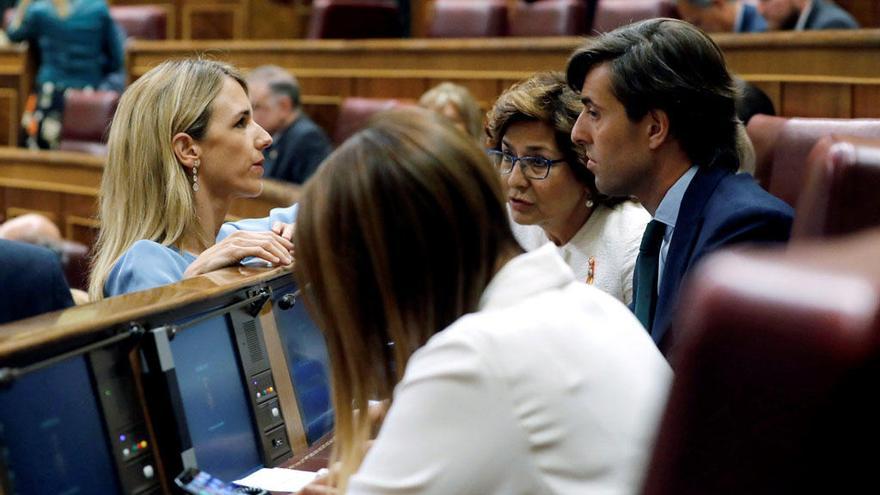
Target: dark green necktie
647	264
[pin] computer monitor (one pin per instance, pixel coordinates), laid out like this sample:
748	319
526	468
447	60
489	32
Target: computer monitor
217	403
75	426
308	363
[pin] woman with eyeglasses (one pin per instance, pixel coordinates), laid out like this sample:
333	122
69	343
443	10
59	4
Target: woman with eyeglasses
508	375
551	196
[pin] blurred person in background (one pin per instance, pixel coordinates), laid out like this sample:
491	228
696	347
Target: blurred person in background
78	45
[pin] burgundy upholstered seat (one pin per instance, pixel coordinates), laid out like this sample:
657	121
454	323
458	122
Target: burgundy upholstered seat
355	112
776	370
354	19
144	22
611	14
782	146
86	120
549	18
468	19
841	191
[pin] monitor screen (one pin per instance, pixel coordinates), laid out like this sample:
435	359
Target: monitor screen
215	400
306	352
52	439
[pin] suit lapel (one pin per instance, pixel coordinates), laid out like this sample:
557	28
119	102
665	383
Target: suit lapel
688	226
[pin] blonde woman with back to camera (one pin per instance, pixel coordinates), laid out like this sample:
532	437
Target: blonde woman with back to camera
508	375
182	146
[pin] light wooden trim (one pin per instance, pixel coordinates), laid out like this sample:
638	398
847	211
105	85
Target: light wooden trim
296	432
239	14
14	211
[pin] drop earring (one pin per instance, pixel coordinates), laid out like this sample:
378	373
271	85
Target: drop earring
589	203
196	176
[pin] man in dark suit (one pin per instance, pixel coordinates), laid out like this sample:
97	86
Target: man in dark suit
299	145
722	16
803	15
31	281
659	124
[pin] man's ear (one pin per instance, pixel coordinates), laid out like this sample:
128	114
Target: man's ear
186	149
658	128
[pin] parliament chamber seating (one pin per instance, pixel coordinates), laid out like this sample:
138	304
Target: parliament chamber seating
86	120
782	146
355	112
468	19
75	260
549	18
841	191
354	19
143	22
611	14
776	366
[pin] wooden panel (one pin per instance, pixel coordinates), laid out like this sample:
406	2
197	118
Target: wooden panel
20	201
80	229
773	91
381	87
271	19
9	117
212	21
867	12
325	86
817	100
866	100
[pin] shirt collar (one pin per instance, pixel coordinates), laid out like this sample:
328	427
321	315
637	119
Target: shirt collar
525	275
802	20
667	212
740	14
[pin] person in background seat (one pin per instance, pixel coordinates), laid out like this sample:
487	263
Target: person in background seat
722	16
79	46
31	281
805	15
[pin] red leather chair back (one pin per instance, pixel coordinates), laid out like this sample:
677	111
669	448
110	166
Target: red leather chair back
354	19
355	112
776	365
782	146
611	14
75	259
841	191
144	22
86	120
549	18
468	19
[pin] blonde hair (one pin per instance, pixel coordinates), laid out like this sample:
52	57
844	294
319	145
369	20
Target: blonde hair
408	217
62	7
460	98
145	192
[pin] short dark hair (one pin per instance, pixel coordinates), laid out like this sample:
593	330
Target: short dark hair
286	88
670	65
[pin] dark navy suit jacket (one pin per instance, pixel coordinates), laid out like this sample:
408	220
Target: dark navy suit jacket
826	15
752	21
31	281
718	209
297	151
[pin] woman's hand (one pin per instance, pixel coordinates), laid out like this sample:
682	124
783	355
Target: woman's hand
268	246
285	230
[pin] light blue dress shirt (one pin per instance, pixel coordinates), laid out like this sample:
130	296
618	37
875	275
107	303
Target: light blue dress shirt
148	264
667	214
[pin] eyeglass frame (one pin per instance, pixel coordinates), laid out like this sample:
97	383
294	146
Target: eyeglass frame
546	163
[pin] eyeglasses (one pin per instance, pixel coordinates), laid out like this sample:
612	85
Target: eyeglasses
533	167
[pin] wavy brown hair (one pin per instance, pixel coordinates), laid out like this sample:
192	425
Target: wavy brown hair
399	233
